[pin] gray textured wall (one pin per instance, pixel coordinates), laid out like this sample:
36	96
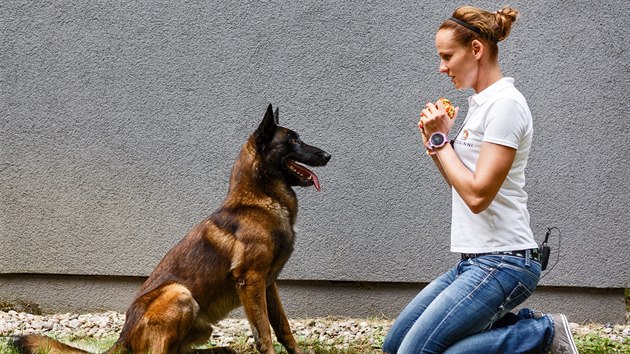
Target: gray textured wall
119	123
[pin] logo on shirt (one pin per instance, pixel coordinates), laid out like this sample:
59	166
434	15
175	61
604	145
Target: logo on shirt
465	134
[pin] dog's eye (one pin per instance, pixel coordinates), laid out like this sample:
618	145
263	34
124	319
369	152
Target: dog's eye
295	141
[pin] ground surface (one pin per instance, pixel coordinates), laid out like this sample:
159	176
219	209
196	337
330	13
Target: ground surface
337	333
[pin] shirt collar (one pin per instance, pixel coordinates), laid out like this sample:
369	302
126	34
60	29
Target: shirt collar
481	97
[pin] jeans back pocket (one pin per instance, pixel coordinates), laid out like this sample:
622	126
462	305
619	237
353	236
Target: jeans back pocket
519	294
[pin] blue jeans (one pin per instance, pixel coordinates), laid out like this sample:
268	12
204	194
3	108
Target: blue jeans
467	310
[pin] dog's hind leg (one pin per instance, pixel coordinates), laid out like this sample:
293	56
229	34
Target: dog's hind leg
168	318
279	321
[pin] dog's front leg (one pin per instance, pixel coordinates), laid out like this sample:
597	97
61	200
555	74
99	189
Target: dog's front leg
251	292
279	320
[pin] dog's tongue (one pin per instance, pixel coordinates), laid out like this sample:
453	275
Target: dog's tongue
306	173
315	182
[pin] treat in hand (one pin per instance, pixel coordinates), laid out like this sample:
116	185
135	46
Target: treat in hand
450	110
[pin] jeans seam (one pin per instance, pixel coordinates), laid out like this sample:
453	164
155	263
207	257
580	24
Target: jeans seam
524	270
483	281
548	342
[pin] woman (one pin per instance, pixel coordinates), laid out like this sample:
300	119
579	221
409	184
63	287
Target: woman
467	309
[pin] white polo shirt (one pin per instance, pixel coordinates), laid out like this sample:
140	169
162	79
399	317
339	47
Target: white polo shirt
500	115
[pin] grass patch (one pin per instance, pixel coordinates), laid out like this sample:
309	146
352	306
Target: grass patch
591	343
595	344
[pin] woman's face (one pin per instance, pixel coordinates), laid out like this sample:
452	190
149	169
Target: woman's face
456	61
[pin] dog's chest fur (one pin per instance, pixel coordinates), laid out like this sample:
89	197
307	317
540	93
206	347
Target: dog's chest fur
283	239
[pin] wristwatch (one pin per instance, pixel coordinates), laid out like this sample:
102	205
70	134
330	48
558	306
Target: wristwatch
437	140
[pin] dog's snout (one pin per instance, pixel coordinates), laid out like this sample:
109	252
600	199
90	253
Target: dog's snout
324	155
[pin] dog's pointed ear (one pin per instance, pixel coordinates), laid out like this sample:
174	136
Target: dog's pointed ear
276	116
267	127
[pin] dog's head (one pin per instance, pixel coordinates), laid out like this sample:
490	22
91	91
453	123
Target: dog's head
282	153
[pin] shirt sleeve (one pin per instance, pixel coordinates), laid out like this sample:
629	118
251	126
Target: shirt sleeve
506	123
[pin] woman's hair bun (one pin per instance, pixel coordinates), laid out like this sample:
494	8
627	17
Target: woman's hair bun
504	20
495	26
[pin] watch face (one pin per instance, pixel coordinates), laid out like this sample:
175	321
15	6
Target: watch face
437	139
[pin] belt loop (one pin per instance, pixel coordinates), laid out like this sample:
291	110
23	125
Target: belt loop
528	255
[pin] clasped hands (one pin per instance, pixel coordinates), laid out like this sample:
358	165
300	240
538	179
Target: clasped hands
437	117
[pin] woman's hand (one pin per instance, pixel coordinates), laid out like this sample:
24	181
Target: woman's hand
433	119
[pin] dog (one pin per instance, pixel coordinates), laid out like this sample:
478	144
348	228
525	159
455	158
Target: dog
231	258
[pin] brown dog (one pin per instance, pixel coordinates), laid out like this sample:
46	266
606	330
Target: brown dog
231	258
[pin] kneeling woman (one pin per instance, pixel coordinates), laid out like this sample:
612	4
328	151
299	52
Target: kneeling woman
467	309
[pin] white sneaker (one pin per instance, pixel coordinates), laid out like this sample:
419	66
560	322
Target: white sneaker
562	339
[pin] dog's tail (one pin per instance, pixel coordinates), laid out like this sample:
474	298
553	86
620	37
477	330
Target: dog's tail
36	344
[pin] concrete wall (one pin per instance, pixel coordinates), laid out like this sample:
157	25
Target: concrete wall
301	299
119	123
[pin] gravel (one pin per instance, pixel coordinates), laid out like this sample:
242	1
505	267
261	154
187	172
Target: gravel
338	332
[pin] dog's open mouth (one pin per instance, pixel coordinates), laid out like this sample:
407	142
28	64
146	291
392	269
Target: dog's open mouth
303	173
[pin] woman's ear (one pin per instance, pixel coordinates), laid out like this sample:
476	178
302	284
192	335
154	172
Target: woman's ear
477	48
